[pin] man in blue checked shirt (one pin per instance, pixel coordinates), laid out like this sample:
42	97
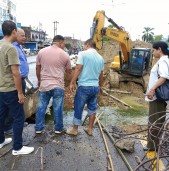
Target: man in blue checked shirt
24	70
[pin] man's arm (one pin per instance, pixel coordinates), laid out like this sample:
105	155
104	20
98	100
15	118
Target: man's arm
76	74
68	74
38	69
18	82
101	81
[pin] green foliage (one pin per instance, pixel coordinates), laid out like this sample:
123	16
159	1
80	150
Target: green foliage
158	37
105	39
68	45
148	35
110	26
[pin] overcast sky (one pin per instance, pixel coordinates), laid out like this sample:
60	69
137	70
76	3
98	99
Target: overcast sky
75	17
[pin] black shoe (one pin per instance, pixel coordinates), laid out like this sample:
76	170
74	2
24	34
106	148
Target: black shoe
145	148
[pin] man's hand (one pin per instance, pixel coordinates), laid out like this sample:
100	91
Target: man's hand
38	84
72	87
101	91
21	97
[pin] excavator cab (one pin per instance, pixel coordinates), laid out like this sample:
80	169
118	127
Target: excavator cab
139	61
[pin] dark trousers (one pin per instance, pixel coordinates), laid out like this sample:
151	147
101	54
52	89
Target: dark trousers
9	119
9	102
154	134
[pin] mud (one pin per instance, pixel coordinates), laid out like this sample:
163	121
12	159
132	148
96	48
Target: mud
108	51
62	153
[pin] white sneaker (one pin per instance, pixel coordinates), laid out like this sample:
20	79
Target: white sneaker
59	132
38	132
23	150
7	141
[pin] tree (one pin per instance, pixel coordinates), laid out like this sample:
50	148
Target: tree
106	39
68	45
158	37
148	35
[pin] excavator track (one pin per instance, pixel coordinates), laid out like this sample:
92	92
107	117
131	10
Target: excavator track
114	79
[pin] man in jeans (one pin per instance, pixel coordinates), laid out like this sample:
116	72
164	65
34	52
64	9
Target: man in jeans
24	70
89	71
11	95
51	65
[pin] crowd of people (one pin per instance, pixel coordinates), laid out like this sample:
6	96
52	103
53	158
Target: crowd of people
52	66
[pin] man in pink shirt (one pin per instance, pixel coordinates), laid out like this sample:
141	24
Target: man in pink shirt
52	64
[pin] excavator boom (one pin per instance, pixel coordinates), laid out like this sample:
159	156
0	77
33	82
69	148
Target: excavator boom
98	31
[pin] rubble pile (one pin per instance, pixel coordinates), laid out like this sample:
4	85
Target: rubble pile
108	51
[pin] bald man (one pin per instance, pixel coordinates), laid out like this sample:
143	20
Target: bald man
24	70
24	67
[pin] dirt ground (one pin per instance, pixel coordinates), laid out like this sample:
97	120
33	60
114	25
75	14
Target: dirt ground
108	51
135	98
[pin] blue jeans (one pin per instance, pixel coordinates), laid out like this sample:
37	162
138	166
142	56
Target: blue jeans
9	119
9	103
85	95
8	122
43	99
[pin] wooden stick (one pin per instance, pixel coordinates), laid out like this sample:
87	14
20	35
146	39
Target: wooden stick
120	152
98	117
85	119
41	156
117	91
117	100
106	146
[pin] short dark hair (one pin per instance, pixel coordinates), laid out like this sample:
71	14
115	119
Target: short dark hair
58	38
7	27
91	43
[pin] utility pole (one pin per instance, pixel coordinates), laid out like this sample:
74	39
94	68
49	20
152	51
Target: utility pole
55	27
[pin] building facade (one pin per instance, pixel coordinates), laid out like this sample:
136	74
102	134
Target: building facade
7	12
34	35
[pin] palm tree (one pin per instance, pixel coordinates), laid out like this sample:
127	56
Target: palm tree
148	35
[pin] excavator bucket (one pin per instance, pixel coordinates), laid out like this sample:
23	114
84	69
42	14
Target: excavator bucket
31	102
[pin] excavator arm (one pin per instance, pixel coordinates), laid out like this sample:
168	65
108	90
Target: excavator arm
122	37
98	31
133	64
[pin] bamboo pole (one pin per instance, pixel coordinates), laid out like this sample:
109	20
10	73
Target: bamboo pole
119	151
118	91
98	117
118	100
106	146
84	119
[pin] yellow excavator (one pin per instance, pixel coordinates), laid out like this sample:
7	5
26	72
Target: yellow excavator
131	64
